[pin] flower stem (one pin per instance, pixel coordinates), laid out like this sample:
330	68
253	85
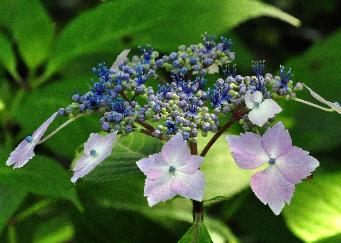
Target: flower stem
60	128
218	134
198	207
313	105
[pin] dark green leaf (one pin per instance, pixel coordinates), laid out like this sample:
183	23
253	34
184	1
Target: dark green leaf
10	199
319	68
104	27
31	27
198	233
7	56
42	176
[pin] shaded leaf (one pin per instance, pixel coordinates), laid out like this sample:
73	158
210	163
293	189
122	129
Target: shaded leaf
7	56
42	176
319	68
104	27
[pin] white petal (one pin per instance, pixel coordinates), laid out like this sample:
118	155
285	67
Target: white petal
38	134
213	69
266	110
120	59
159	190
257	97
190	186
248	100
176	151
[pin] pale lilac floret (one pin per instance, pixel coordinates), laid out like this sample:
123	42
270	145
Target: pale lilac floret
260	110
120	59
173	171
96	149
288	164
25	150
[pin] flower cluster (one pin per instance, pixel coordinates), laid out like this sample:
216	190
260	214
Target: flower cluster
176	98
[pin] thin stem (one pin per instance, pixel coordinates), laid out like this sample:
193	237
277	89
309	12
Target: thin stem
60	128
218	134
313	105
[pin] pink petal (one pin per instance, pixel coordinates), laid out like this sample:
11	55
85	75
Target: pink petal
189	186
120	59
159	190
276	140
101	144
192	164
247	150
266	110
153	166
296	165
84	166
38	134
176	151
271	188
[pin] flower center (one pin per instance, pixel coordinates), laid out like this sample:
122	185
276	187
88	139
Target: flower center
29	139
171	169
93	153
256	104
272	161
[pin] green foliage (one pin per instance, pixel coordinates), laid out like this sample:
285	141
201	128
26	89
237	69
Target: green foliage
197	233
154	22
42	176
7	56
315	211
318	68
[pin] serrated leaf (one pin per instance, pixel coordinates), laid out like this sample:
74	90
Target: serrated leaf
103	27
42	176
7	56
31	27
315	210
315	129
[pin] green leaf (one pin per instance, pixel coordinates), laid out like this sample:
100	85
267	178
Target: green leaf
315	129
105	27
10	200
315	210
31	27
42	176
7	56
223	176
55	230
197	233
38	105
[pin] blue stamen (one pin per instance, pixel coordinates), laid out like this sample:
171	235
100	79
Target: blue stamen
93	153
172	169
29	139
272	161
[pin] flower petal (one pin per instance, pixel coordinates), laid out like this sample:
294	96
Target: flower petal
120	59
101	144
153	166
271	188
332	105
248	100
192	164
189	186
38	134
21	155
257	97
266	110
276	140
247	150
159	190
84	166
176	151
212	69
296	165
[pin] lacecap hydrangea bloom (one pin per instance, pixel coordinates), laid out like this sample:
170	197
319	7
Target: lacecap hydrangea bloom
177	98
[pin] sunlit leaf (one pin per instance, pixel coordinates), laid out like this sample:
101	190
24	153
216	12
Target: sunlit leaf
197	233
315	210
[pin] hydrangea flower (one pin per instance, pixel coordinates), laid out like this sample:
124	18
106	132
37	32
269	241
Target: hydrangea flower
334	106
25	150
120	59
96	149
261	110
288	164
173	171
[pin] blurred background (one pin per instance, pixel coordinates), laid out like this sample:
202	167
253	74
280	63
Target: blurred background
47	50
